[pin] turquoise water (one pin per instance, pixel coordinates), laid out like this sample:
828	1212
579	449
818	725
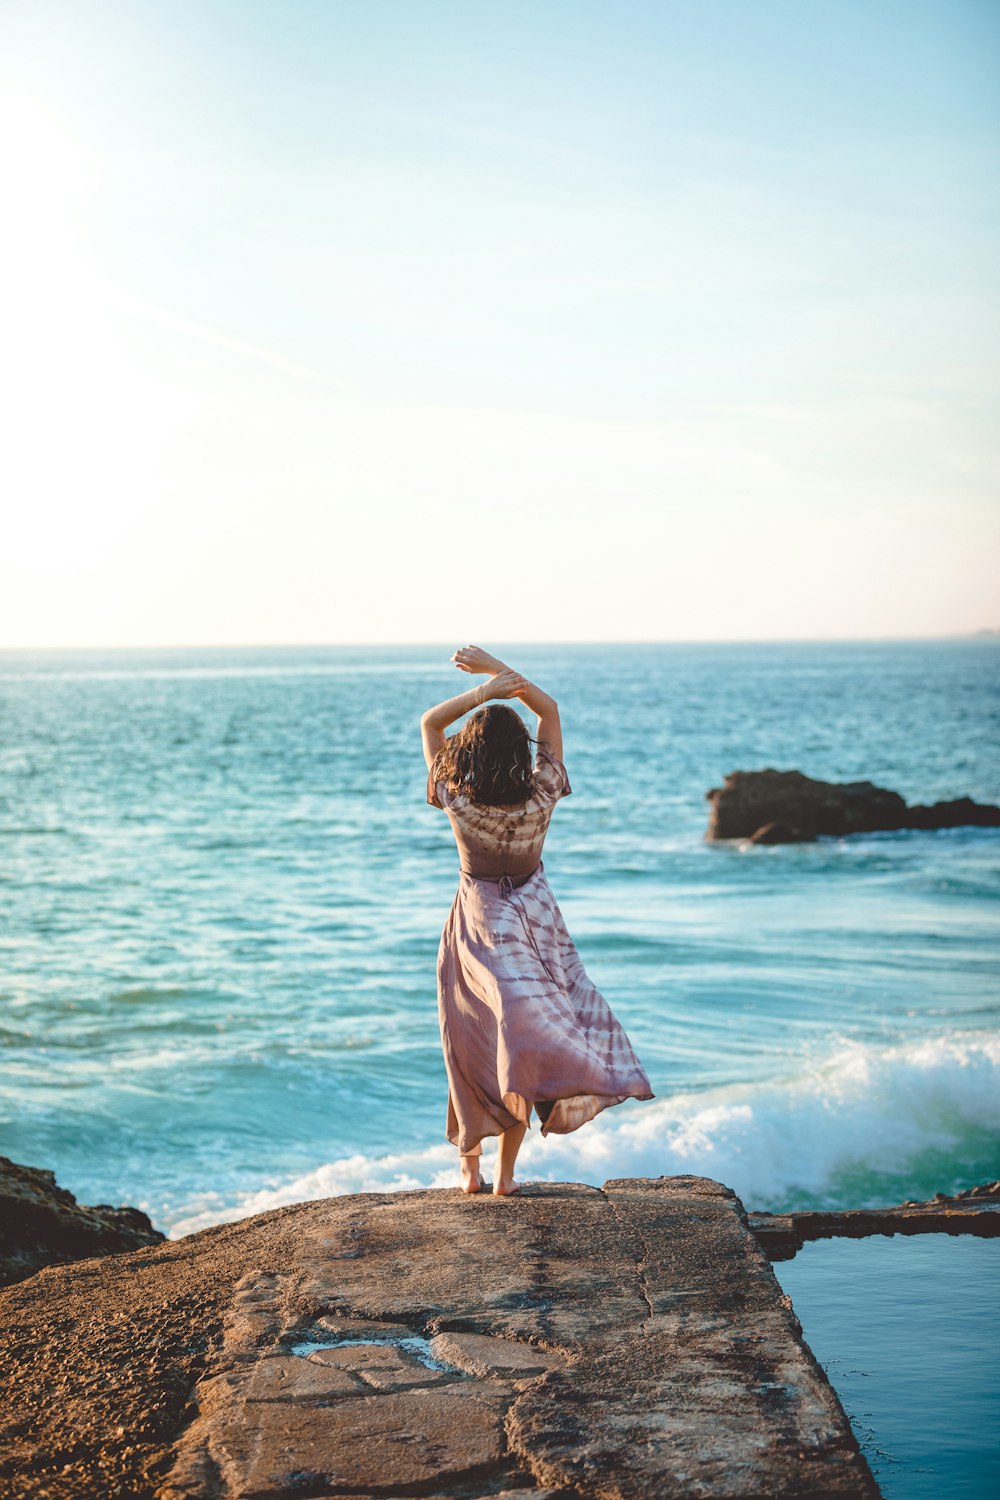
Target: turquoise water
905	1331
222	893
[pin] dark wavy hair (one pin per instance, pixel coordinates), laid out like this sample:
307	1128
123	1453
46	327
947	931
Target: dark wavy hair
489	758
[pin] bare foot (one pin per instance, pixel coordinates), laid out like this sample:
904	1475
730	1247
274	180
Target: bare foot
503	1187
472	1182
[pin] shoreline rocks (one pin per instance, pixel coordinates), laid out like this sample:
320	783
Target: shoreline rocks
628	1340
42	1224
784	807
431	1343
974	1211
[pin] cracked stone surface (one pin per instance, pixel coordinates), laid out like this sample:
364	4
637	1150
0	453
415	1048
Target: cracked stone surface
479	1354
618	1342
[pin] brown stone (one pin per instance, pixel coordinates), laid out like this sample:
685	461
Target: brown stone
385	1442
287	1378
382	1367
477	1354
42	1224
780	807
622	1342
974	1211
630	1341
780	833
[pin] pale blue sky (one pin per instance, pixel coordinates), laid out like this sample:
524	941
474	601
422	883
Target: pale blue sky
372	321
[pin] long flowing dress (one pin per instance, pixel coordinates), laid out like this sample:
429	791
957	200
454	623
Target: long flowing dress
522	1025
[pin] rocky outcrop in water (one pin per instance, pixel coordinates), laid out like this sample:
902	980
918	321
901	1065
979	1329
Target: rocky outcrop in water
975	1211
41	1223
784	807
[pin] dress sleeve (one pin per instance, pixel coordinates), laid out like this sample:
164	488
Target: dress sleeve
437	791
551	780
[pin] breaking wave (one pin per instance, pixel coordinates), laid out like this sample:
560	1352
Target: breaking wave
868	1125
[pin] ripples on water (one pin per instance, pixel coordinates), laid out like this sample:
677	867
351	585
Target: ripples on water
222	894
915	1369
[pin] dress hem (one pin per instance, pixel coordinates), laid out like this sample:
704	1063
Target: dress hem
564	1118
588	1106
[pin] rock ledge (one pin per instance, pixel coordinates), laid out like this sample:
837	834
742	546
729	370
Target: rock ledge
622	1342
975	1211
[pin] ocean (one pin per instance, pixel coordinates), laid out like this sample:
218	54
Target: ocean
222	890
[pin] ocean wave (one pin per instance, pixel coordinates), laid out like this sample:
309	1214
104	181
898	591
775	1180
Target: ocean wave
864	1123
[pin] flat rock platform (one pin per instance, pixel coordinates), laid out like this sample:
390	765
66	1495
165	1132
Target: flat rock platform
617	1342
565	1341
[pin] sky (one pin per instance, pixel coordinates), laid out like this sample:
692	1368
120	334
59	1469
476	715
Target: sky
422	320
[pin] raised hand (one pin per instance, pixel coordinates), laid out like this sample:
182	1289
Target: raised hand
475	659
506	684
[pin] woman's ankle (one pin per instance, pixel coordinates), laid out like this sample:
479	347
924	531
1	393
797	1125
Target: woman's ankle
470	1167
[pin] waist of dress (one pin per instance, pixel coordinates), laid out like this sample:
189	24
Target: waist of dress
504	882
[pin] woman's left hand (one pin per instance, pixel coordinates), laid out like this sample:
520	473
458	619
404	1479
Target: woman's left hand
506	684
475	659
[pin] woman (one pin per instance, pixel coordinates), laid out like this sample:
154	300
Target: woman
521	1023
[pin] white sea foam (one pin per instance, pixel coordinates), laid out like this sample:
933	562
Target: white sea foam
864	1110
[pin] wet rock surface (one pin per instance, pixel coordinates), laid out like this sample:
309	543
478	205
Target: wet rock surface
784	807
618	1342
42	1224
974	1211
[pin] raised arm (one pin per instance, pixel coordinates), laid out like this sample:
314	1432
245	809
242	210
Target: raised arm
503	684
549	732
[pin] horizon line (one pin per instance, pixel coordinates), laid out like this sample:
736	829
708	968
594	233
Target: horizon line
980	633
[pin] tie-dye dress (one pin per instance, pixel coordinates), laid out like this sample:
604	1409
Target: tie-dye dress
521	1023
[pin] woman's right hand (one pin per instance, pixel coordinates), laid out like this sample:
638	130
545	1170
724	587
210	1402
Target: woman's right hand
506	684
475	659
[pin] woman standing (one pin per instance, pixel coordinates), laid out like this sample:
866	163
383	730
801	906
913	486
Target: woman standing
521	1023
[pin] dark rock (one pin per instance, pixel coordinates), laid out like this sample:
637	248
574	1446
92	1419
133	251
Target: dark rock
961	812
781	807
42	1224
972	1211
780	833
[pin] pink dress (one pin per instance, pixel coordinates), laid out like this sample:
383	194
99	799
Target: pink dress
521	1023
